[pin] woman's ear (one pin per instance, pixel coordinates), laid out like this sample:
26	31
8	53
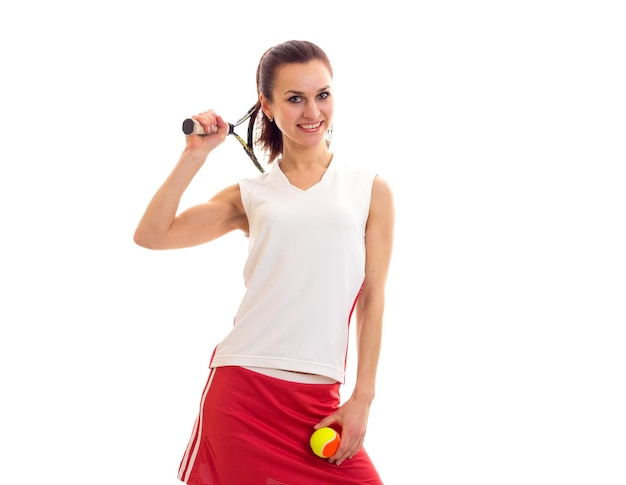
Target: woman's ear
265	106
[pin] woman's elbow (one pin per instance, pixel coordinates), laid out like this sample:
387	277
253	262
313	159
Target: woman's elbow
143	239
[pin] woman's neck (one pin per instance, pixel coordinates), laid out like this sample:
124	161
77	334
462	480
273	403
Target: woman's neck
305	159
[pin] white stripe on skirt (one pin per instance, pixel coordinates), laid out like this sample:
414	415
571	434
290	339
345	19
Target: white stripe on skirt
191	452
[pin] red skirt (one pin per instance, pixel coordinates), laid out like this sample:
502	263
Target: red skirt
254	429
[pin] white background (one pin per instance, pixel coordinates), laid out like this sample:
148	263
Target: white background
499	125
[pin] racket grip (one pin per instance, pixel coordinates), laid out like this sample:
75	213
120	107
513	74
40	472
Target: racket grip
192	127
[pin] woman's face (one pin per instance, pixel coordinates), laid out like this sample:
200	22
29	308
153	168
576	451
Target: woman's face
303	105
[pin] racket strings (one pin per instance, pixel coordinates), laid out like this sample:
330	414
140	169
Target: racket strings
250	145
255	129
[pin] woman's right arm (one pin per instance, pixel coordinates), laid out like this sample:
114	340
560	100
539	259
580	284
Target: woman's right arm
161	227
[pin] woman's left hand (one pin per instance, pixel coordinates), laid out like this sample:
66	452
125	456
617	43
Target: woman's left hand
352	418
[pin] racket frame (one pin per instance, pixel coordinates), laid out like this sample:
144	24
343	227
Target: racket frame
191	127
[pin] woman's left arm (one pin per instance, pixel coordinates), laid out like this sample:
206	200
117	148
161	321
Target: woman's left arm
353	415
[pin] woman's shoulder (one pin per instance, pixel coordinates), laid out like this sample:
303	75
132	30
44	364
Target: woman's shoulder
257	181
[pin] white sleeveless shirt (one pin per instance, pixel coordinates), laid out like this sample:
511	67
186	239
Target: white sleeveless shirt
305	268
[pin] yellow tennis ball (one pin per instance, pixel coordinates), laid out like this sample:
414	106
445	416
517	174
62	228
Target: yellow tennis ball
324	442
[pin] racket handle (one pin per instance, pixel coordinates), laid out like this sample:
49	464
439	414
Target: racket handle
192	127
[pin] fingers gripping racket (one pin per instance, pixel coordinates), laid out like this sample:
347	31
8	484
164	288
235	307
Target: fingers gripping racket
192	127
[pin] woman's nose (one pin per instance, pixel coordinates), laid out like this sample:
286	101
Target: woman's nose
311	110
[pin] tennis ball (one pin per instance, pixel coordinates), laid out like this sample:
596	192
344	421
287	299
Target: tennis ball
324	442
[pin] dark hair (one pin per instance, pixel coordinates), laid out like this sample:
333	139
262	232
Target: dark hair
290	52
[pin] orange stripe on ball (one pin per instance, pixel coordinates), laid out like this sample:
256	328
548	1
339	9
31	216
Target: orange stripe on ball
324	442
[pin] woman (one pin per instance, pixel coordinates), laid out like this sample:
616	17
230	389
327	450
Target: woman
320	241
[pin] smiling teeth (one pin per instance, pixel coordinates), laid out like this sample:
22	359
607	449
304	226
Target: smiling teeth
312	126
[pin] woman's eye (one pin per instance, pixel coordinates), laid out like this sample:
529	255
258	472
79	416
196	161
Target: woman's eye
295	99
324	95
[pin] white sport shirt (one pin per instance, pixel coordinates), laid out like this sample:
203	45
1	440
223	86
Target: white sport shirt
305	268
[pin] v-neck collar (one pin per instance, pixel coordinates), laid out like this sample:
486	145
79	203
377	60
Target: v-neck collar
295	187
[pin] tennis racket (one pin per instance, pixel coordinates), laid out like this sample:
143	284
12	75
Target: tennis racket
254	118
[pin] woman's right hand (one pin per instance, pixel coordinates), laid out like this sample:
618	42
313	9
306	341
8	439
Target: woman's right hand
215	132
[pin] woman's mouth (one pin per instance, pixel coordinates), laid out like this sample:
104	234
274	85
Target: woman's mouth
311	126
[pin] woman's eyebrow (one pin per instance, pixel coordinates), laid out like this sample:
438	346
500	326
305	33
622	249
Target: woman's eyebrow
300	93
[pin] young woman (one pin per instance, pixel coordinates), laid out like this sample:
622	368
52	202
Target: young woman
320	241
